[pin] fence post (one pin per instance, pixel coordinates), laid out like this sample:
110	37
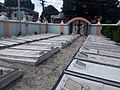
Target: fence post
62	27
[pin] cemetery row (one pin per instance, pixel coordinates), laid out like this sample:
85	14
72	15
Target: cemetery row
33	50
95	66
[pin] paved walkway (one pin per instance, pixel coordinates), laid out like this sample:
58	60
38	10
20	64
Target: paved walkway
44	76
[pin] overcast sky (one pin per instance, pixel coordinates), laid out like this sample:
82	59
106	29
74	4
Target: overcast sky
56	3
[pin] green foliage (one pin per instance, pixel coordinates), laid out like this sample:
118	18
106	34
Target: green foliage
116	35
24	3
106	31
112	32
108	9
49	10
11	3
2	8
27	4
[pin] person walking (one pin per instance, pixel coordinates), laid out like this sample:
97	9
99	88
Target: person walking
76	28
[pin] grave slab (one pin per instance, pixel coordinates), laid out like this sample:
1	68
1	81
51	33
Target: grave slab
8	43
2	46
26	56
56	43
103	47
105	74
40	43
8	75
100	52
99	39
98	59
33	47
73	82
14	40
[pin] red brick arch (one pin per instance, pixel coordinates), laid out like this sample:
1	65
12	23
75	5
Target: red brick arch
78	18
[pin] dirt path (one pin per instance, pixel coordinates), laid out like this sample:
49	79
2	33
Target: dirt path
44	76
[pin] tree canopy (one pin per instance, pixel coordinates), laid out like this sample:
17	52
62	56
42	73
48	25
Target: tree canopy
48	11
24	3
91	9
2	8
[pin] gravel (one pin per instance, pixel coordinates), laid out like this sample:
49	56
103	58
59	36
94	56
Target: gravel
45	75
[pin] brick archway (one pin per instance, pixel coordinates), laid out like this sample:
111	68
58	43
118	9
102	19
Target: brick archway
80	30
78	18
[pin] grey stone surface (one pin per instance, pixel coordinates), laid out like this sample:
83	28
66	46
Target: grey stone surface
97	71
8	76
34	47
14	40
98	58
8	42
36	37
100	52
105	53
99	39
1	46
35	52
5	42
102	47
69	82
44	76
85	83
29	57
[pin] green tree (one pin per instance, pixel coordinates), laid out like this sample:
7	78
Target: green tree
14	3
49	10
108	9
2	8
116	35
24	3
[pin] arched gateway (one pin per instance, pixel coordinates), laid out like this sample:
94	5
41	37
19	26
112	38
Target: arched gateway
78	25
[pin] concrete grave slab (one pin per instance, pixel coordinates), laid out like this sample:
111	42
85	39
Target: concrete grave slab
99	39
105	74
8	75
61	44
10	43
103	47
36	37
100	52
56	43
98	59
2	46
57	39
41	43
71	82
26	56
104	44
15	40
25	39
33	47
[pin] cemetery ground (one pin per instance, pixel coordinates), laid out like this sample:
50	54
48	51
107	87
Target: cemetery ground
44	75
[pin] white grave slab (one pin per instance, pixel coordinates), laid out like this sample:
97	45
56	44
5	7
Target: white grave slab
8	42
105	74
26	56
99	39
70	82
33	47
99	52
98	59
14	40
103	44
40	43
102	47
2	46
25	39
56	43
